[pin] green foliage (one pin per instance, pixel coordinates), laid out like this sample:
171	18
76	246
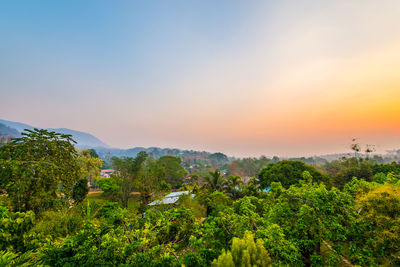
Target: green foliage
109	186
288	173
380	225
248	166
90	246
112	213
225	259
14	227
358	187
215	181
193	204
283	251
380	177
80	190
393	167
8	258
218	158
342	171
216	200
128	173
89	165
310	213
52	225
173	170
233	186
36	168
194	260
301	221
245	253
93	153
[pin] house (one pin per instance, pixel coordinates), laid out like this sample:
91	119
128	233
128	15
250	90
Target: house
106	173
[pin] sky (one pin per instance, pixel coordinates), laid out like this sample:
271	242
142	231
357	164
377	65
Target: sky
247	78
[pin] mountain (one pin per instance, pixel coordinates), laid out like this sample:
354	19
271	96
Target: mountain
84	140
20	127
8	131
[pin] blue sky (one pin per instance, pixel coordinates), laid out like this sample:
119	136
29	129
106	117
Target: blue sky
231	76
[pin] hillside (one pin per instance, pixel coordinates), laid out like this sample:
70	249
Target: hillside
8	131
190	158
84	140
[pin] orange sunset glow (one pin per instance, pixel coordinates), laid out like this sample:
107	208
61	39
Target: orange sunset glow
261	79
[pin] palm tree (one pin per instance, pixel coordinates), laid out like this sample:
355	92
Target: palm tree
232	185
214	181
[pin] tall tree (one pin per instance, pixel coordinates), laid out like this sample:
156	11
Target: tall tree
173	170
151	180
215	181
379	225
38	168
89	165
232	186
128	172
287	173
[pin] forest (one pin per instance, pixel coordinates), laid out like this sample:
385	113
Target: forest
56	209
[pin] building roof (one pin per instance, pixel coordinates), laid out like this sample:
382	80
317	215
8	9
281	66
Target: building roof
107	170
171	198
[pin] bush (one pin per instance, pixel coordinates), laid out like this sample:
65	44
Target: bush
80	190
109	187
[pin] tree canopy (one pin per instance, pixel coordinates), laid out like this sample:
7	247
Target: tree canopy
38	169
288	173
221	221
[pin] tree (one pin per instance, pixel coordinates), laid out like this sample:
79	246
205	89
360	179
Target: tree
93	153
379	224
232	186
110	187
39	170
89	165
14	226
248	166
311	216
80	190
173	170
214	181
355	147
128	172
287	173
342	171
151	180
245	253
218	158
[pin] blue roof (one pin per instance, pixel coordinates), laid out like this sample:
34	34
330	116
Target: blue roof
267	189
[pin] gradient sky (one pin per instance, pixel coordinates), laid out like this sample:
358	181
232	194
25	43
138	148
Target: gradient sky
246	78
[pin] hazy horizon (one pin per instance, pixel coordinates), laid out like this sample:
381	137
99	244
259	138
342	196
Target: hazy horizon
287	78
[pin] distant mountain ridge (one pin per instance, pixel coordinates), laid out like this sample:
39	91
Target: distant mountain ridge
8	131
84	140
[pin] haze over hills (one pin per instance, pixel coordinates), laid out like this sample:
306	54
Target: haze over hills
84	140
8	131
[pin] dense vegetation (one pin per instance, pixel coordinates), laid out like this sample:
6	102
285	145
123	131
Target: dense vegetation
344	213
